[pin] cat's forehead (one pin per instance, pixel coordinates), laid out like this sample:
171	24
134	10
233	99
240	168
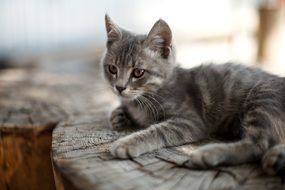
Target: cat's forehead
127	52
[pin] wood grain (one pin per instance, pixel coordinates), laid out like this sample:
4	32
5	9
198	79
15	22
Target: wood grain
80	151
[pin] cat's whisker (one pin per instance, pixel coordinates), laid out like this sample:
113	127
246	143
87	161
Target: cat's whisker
153	107
155	112
146	105
140	104
159	104
149	106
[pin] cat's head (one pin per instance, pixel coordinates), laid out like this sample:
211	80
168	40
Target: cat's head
137	64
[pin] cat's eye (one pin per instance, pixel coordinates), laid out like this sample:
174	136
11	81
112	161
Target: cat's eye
137	73
112	69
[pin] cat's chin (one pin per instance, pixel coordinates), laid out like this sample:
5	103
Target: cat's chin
127	98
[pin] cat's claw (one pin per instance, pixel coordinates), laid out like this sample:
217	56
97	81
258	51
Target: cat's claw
124	148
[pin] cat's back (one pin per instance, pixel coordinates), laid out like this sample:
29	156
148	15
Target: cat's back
217	91
230	72
225	77
214	82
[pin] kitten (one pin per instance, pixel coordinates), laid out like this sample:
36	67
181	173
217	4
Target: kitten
173	106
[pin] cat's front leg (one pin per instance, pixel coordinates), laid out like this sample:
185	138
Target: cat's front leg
172	132
119	119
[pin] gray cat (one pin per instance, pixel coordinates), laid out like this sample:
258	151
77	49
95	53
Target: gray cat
244	107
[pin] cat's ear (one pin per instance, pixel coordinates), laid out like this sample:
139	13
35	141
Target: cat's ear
159	38
113	31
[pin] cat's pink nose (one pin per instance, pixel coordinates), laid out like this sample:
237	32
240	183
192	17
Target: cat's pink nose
120	88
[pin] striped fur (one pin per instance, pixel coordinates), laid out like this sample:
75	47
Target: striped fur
242	106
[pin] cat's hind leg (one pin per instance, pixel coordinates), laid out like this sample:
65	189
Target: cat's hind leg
262	126
273	161
212	155
258	138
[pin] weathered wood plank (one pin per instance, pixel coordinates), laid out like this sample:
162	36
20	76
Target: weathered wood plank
89	165
25	140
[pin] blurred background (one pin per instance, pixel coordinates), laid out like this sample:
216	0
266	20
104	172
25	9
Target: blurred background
251	32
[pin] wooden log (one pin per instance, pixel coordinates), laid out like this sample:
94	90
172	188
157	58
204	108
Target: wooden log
25	141
30	107
80	151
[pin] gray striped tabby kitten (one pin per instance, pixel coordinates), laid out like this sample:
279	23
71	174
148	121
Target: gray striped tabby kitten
244	107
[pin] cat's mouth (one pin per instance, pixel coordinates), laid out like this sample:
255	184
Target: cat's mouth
124	95
127	95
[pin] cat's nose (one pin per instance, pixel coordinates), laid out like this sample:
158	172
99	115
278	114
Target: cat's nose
120	88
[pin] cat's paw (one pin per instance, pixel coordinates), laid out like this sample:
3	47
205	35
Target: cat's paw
118	119
125	148
273	161
206	157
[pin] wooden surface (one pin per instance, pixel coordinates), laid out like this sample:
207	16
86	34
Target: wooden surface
25	139
80	152
81	158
